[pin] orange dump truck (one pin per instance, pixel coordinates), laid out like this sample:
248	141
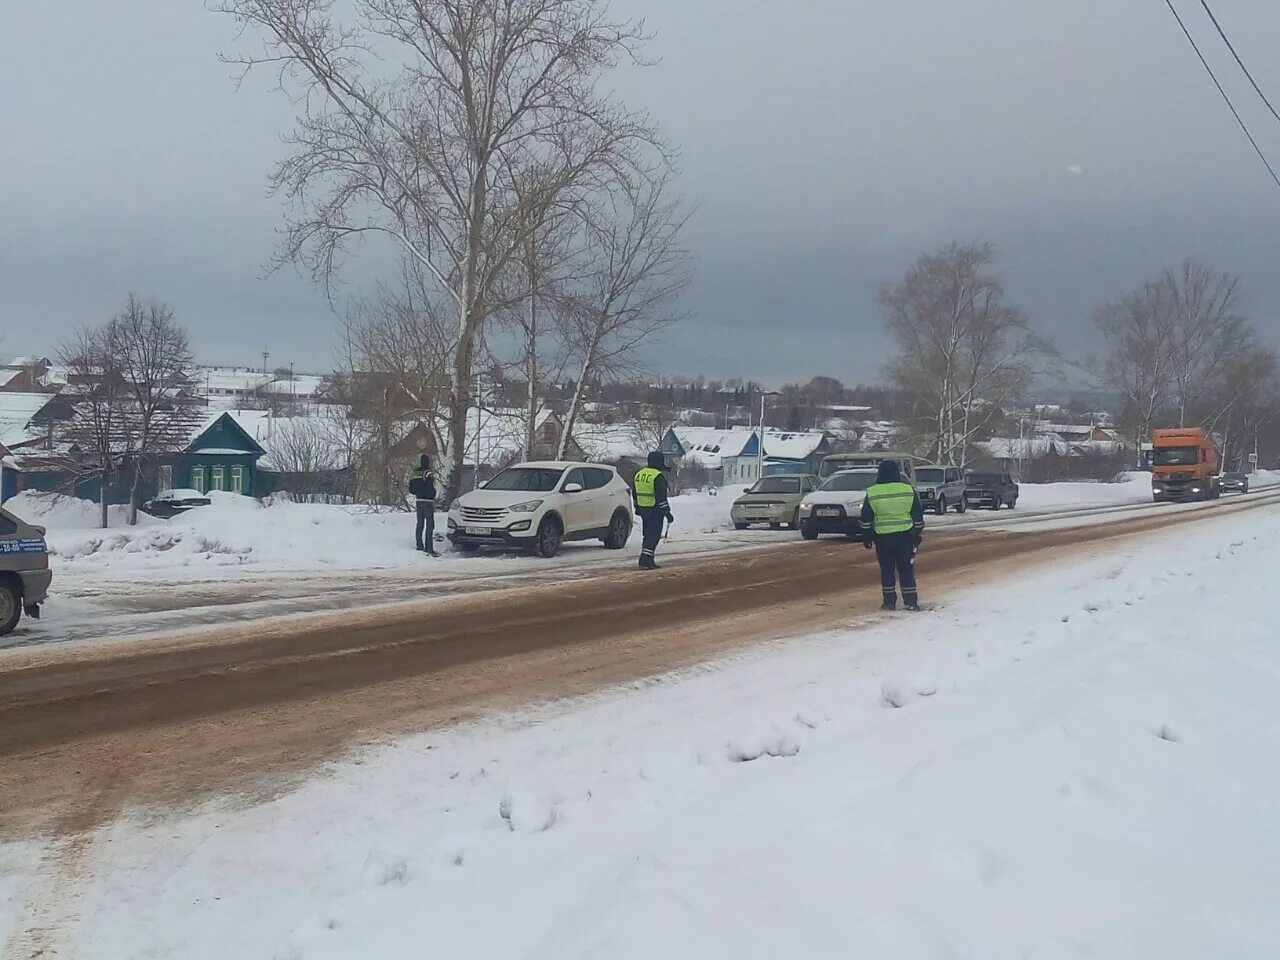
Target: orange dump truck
1184	465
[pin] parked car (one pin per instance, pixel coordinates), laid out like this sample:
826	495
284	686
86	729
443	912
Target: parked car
24	570
1238	482
836	505
838	462
990	490
537	506
940	488
170	503
774	500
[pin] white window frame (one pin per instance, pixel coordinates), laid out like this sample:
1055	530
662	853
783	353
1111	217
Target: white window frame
166	476
198	481
218	477
237	479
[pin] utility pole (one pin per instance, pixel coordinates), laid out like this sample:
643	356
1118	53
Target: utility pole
265	354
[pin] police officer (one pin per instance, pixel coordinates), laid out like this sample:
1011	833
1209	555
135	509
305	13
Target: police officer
650	491
893	521
422	487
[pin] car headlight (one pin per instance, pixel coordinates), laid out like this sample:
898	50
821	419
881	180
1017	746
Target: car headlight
739	503
1195	489
527	507
455	505
1157	489
806	505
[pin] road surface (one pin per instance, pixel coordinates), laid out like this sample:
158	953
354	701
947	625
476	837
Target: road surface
87	731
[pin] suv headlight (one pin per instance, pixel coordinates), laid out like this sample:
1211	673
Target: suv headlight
527	507
806	505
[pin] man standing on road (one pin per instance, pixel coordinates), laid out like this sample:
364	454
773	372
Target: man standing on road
892	520
651	503
422	487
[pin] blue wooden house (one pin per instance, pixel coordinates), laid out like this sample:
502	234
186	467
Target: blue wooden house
220	455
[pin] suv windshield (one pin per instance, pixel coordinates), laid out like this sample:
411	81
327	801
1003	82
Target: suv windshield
1233	476
983	479
928	475
776	485
1176	456
850	481
529	479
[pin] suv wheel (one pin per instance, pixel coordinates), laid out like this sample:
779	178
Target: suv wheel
942	506
550	536
808	531
10	608
619	531
795	519
962	505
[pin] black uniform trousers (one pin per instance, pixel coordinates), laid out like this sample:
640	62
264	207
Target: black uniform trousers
895	552
425	533
651	519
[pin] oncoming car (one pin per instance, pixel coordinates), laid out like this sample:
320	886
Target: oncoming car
537	506
1238	482
774	500
836	505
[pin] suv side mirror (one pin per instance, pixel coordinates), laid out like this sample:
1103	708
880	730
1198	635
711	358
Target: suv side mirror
482	484
572	488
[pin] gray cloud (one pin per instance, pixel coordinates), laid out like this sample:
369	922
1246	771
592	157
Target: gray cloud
826	143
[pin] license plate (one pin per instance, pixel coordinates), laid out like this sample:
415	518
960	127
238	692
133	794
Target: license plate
828	512
478	531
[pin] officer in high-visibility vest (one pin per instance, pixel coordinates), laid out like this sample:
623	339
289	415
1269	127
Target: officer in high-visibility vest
422	487
892	520
650	491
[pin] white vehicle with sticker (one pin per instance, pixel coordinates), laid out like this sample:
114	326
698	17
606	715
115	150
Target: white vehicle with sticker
836	506
537	506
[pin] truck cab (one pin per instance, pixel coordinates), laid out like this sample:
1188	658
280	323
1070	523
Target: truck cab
1184	465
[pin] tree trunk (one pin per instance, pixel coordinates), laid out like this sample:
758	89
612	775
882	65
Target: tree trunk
135	493
531	375
459	404
103	481
571	419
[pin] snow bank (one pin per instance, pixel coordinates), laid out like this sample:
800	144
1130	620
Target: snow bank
59	513
1077	763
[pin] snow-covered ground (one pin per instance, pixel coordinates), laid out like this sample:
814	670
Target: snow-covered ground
1077	763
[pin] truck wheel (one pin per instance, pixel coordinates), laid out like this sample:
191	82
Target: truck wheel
808	531
549	538
619	531
739	526
10	608
962	506
795	519
942	506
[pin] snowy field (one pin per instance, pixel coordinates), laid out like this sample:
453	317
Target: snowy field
1079	763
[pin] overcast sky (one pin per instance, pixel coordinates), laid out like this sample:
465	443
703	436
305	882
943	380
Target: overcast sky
827	142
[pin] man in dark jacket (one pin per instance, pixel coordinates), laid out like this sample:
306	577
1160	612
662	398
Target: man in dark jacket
422	487
892	521
650	492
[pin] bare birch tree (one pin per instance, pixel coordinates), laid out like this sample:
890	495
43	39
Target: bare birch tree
451	127
155	362
962	350
638	269
97	389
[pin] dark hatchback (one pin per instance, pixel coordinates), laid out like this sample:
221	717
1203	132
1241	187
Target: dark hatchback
991	490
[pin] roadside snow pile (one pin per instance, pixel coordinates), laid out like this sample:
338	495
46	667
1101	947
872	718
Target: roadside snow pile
1133	487
57	512
232	531
1077	763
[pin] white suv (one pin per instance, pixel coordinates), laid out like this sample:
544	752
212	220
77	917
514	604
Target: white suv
537	506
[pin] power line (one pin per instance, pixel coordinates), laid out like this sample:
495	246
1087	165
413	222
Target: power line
1235	113
1223	35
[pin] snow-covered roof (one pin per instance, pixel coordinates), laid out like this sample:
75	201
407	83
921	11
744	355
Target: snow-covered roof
1023	448
230	380
792	446
16	413
8	375
707	445
610	441
23	362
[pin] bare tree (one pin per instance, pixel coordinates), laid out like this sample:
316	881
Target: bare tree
96	427
963	352
638	268
450	126
1210	336
155	361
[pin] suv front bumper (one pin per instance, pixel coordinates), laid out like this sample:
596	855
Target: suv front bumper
508	536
